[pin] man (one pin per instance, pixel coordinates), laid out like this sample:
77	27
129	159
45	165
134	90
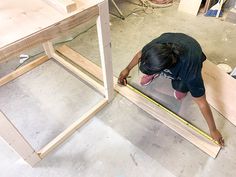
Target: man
178	57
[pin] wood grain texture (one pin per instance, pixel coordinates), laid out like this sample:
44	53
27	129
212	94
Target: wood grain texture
200	141
48	33
220	90
22	70
25	24
190	6
104	39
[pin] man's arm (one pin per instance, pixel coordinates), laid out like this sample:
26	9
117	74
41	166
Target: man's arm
207	114
124	74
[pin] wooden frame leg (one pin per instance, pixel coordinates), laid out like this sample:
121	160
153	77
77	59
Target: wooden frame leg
13	137
103	30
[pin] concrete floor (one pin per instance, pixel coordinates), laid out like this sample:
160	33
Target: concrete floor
121	140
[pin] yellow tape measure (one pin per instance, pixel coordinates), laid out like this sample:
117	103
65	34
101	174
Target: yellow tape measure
173	114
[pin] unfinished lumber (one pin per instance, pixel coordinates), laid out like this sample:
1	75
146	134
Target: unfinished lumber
64	6
71	129
220	90
22	70
190	6
48	33
79	73
13	137
104	39
50	52
188	133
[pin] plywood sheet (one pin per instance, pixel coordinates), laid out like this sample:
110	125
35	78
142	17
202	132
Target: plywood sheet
220	90
190	6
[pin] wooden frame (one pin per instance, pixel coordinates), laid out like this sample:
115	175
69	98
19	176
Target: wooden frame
7	130
193	136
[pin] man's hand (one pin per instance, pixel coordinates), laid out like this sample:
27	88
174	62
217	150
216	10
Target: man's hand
217	137
206	111
123	75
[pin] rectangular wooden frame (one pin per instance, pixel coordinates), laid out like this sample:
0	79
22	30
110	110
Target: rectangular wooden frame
179	127
7	130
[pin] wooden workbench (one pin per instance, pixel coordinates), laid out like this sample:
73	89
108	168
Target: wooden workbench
27	23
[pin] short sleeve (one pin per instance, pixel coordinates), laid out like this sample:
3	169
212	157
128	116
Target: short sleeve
196	86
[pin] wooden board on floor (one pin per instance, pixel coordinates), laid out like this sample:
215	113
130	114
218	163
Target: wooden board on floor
220	90
188	133
190	6
22	70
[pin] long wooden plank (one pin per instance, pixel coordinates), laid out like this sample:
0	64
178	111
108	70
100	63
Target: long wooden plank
71	129
13	137
79	73
80	60
22	70
220	90
192	136
104	39
200	141
64	6
48	33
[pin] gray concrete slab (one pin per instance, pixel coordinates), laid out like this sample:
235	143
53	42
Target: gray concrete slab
45	101
100	152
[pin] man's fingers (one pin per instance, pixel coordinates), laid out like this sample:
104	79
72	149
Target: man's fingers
125	82
221	141
122	81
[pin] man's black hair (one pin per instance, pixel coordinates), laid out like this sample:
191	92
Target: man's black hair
158	57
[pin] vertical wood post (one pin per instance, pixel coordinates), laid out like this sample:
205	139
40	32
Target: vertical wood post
104	39
48	48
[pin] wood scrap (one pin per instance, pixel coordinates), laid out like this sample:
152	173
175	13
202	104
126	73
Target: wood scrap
190	6
220	90
22	70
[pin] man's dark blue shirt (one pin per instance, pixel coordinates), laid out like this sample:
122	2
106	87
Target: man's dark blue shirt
189	65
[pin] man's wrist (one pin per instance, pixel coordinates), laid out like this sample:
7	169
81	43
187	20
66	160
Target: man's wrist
213	129
128	68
